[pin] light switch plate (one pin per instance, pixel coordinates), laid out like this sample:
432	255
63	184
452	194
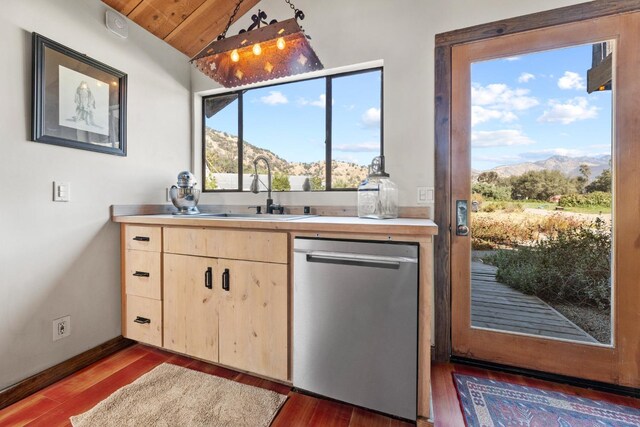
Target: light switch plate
61	191
424	195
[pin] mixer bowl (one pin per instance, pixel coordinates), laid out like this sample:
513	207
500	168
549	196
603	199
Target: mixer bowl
185	199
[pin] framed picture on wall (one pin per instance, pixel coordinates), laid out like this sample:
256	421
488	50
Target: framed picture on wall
78	102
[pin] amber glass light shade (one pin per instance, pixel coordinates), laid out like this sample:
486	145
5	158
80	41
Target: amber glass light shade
283	51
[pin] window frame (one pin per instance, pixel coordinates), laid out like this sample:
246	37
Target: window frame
328	128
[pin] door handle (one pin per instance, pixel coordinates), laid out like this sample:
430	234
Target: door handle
141	239
225	279
142	320
358	259
462	218
208	278
141	274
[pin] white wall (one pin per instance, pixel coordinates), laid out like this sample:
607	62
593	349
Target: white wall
63	258
401	33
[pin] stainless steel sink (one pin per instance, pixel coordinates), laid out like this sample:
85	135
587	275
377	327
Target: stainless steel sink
253	216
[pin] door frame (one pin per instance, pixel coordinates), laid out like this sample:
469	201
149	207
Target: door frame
444	43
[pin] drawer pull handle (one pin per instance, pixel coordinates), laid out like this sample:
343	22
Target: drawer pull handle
142	239
142	320
141	274
208	278
225	279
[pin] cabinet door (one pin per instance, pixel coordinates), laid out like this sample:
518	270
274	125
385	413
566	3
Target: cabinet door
190	307
253	317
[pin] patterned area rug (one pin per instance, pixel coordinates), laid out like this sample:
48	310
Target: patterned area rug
489	403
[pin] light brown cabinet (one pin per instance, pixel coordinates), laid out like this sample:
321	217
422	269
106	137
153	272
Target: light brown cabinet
253	320
191	306
253	317
217	295
142	284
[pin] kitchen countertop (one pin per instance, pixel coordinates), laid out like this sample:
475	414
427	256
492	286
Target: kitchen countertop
397	226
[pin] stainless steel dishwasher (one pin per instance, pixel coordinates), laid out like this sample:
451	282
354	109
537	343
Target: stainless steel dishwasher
355	323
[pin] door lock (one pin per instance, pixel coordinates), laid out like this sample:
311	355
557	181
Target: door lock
462	218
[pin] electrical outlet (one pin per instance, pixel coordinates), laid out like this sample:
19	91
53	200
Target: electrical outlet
167	194
61	328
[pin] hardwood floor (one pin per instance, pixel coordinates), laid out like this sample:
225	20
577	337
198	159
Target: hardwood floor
81	391
446	408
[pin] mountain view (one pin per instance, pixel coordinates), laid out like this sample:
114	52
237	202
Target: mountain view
222	158
569	166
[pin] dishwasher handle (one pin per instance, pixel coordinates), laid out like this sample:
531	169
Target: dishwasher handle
376	261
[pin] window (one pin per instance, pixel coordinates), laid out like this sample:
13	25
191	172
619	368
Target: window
301	127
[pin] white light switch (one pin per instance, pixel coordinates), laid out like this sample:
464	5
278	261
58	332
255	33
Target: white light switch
61	191
424	195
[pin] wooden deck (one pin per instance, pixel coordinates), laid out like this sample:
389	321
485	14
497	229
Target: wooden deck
495	305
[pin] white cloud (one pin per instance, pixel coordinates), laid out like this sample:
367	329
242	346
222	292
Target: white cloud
568	112
481	115
371	117
321	102
274	98
498	102
571	80
512	58
501	96
525	77
358	148
499	138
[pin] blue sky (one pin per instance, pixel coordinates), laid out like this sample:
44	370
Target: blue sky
534	106
289	119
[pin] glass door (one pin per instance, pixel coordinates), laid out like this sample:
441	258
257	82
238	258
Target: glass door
544	154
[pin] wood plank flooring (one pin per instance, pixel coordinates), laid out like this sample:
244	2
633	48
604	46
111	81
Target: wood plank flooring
81	391
495	305
446	407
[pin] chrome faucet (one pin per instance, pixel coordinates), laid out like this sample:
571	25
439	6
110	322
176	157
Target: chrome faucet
255	184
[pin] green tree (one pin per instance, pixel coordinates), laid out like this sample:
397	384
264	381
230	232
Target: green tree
540	185
582	180
211	183
585	171
340	183
492	191
316	183
280	182
490	177
601	183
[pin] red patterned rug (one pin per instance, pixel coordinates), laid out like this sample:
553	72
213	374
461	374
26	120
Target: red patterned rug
489	403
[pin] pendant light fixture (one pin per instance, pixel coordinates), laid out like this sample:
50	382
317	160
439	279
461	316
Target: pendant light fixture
259	53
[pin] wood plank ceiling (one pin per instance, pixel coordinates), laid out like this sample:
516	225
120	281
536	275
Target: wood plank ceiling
187	25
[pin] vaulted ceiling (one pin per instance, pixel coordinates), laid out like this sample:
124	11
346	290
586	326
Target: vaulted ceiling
187	25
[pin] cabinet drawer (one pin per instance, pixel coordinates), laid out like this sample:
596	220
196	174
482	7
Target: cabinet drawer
142	274
143	238
143	320
231	244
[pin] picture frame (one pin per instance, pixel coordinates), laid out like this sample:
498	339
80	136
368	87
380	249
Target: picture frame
77	102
